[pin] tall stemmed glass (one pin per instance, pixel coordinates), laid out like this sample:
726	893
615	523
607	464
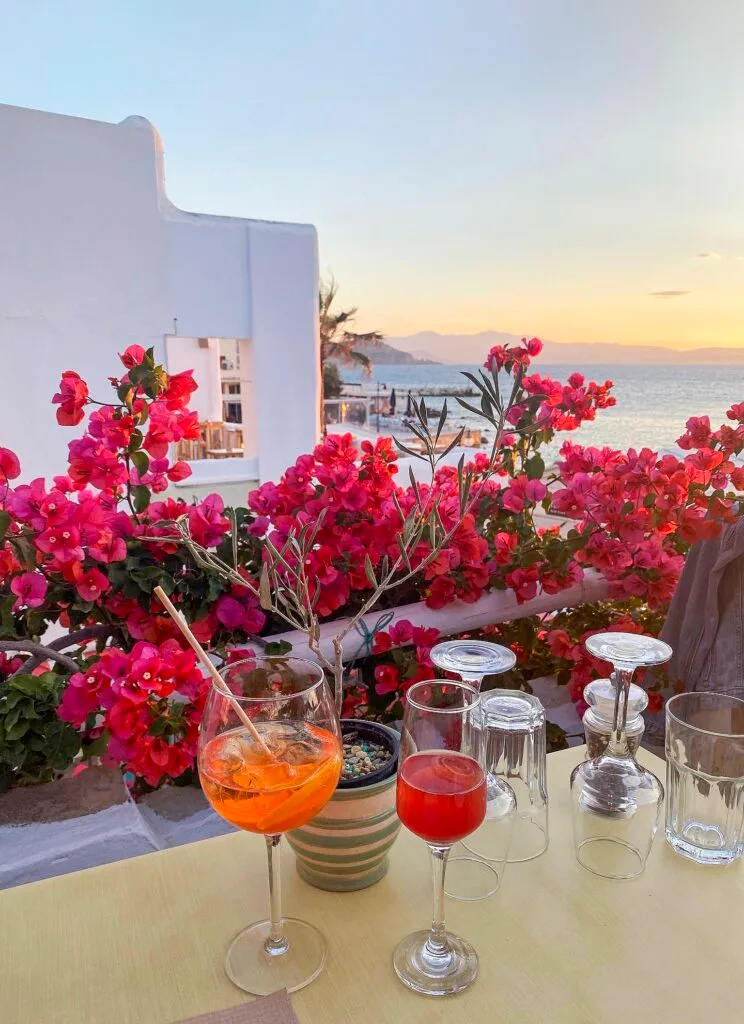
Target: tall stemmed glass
472	660
616	802
441	797
270	791
476	867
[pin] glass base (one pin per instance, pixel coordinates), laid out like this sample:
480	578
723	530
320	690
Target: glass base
529	838
610	858
470	879
423	971
254	970
689	845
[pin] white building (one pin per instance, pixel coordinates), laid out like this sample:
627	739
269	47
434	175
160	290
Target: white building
94	257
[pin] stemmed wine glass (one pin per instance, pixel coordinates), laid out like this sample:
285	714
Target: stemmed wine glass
270	757
472	660
617	803
441	797
475	869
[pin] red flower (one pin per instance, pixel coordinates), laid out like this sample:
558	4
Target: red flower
10	467
655	702
180	388
387	678
30	588
381	643
71	399
62	542
91	585
559	643
132	356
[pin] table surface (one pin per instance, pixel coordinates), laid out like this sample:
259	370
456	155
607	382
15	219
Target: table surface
142	941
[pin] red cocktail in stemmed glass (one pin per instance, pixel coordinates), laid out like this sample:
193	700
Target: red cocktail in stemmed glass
441	797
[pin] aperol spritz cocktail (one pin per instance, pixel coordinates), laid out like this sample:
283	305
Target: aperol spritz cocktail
271	794
441	797
270	757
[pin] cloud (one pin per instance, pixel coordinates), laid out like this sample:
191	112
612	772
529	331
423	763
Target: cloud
668	294
709	256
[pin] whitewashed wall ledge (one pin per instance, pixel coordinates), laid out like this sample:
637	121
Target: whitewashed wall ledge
457	617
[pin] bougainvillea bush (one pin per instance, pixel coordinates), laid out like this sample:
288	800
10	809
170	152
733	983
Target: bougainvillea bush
84	551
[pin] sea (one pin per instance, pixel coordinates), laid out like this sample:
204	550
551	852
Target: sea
653	402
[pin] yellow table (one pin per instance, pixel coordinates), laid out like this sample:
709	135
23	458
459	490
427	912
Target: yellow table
143	941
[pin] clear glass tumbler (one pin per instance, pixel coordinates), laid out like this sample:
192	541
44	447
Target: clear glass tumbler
705	777
515	753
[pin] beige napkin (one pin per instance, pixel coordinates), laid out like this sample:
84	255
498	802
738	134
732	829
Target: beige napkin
273	1009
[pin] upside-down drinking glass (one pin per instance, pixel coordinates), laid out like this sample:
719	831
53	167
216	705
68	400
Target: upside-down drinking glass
441	797
705	776
617	803
271	789
476	867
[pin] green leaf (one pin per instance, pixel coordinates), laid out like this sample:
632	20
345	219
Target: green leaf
277	648
140	497
135	441
30	686
470	408
649	501
535	467
141	461
97	748
24	551
442	419
407	451
264	589
453	444
123	393
370	572
17	731
5	522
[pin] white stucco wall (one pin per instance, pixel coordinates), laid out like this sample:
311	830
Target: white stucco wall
94	257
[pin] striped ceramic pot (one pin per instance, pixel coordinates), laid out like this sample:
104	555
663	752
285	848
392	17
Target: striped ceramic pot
346	847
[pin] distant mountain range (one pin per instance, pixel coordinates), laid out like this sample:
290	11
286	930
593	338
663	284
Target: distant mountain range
385	354
429	346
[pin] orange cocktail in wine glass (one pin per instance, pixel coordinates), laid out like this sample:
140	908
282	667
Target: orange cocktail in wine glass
269	779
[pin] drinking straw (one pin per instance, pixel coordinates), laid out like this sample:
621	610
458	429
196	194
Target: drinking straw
217	679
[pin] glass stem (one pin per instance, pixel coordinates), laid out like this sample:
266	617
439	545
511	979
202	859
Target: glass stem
276	944
436	944
618	744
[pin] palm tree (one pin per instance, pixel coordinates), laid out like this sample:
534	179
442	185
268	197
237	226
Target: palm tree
336	341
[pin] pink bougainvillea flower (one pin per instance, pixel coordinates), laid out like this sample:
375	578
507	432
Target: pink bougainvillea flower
230	612
71	399
10	467
180	388
381	643
179	471
30	588
62	542
91	585
132	356
108	547
387	679
401	632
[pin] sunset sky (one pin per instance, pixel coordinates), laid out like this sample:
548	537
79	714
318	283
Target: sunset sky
570	169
